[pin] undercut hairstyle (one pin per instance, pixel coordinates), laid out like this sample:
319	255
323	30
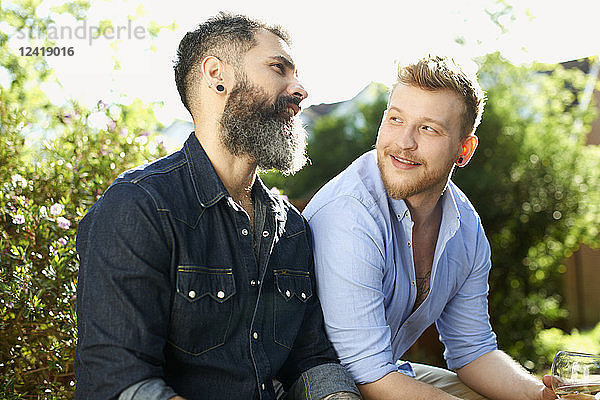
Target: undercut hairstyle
225	36
437	73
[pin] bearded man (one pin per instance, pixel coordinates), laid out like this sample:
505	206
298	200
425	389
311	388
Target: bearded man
195	280
398	247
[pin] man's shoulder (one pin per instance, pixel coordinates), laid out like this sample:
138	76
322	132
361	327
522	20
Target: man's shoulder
164	184
465	208
153	171
359	183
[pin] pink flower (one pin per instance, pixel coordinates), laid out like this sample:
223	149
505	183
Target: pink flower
56	209
62	241
63	222
18	219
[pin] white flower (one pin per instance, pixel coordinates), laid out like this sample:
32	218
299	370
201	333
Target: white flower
63	222
18	180
18	219
56	209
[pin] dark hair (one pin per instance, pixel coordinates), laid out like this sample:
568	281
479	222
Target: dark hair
225	36
436	72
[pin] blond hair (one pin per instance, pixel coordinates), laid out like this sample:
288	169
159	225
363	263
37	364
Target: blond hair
440	72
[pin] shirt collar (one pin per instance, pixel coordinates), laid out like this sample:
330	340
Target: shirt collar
450	214
212	189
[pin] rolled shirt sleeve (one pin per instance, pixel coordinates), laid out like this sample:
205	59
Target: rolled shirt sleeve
148	389
321	381
464	325
349	260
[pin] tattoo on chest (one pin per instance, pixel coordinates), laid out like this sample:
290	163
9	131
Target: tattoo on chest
423	284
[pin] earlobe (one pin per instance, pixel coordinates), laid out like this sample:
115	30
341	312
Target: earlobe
468	149
212	71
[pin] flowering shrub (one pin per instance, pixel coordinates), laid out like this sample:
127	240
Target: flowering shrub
44	195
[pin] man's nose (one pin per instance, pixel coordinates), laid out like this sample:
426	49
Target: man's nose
297	90
405	138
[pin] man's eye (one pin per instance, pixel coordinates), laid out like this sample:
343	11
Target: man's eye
429	129
280	67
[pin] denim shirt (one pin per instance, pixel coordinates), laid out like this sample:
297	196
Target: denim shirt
170	289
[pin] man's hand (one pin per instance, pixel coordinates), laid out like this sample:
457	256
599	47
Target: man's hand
342	396
547	393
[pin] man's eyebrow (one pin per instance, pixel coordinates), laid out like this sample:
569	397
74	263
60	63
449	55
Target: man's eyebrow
425	119
285	61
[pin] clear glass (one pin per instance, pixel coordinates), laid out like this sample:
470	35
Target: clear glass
576	376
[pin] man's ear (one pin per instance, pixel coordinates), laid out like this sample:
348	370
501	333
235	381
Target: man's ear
213	71
469	144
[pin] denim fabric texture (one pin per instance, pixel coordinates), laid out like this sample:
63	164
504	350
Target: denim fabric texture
169	287
366	276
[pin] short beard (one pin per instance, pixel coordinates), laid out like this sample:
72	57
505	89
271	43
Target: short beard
253	126
429	180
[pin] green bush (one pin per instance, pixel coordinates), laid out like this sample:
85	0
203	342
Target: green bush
548	342
46	187
40	203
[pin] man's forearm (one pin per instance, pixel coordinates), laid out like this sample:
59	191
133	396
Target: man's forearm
397	386
498	377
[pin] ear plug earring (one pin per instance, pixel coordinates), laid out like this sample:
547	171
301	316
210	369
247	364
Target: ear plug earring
220	87
460	160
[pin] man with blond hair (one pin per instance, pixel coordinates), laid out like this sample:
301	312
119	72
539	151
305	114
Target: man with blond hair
398	247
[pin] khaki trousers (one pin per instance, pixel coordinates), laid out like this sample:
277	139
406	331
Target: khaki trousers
445	380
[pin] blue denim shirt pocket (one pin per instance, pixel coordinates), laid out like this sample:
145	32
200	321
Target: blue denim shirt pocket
293	290
202	308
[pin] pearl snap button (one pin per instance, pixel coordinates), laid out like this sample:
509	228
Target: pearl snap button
245	232
192	294
255	335
303	295
252	282
265	233
220	294
287	293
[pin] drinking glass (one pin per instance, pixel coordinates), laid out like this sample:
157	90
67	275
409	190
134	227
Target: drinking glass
576	376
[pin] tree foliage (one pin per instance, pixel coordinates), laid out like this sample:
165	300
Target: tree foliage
46	188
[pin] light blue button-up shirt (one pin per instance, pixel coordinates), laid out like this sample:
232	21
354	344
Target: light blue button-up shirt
366	277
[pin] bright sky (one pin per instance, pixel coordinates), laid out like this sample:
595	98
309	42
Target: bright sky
339	47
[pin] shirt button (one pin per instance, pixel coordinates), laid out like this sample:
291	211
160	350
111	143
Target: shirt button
245	232
191	294
303	295
408	244
255	335
252	282
412	283
287	293
262	386
220	294
399	216
265	233
258	282
406	213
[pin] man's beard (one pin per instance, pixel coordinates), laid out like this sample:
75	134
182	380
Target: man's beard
401	187
266	132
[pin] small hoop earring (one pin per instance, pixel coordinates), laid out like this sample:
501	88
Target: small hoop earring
220	87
